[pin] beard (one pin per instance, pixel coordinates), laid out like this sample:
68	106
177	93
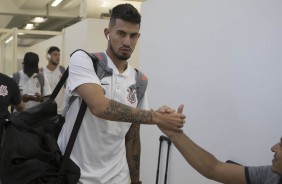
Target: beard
120	57
54	63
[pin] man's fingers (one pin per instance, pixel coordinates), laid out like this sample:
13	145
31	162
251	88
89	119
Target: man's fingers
180	109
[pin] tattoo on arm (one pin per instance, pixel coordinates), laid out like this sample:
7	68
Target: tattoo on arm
133	149
121	112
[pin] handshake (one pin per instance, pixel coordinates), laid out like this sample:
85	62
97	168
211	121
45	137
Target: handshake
170	130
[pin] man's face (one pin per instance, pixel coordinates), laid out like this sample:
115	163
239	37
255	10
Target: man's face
123	37
277	160
55	57
29	74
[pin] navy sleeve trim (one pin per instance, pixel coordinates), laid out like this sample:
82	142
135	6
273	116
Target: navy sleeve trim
247	176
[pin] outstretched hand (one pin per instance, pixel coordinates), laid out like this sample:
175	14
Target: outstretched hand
167	110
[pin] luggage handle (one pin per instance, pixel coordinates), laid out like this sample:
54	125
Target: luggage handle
161	139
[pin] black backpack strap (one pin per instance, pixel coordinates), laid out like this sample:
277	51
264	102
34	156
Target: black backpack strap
71	141
60	84
76	126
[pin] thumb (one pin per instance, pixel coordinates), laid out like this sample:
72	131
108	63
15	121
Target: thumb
180	109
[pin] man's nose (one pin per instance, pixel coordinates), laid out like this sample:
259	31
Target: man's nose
127	40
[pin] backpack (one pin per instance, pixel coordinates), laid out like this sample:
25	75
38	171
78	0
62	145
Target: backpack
16	77
29	151
102	70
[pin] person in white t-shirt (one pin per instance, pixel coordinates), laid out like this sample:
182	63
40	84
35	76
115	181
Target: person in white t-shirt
107	147
34	86
54	71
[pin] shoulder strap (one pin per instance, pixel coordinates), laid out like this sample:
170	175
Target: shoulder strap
141	84
62	69
92	56
102	67
103	71
77	123
16	77
41	81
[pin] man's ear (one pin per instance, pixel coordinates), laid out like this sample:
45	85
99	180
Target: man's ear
107	32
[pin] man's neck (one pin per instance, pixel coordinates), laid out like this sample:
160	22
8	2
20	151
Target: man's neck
51	67
120	64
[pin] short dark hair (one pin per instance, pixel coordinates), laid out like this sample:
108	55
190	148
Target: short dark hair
52	49
126	12
30	62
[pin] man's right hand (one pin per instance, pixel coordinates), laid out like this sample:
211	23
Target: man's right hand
164	127
167	119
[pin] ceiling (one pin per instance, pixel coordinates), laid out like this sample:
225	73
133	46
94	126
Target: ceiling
17	13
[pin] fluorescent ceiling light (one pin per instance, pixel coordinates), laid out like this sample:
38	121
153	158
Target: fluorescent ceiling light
56	3
38	20
105	4
9	39
29	26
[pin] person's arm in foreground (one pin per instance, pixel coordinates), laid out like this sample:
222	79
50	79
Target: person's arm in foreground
204	162
112	110
133	150
16	101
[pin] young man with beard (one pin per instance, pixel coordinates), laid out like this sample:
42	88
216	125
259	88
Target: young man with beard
54	71
107	147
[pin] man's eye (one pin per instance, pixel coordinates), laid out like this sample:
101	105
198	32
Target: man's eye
121	33
134	36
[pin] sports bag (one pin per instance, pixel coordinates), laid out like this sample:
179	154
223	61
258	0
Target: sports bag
29	152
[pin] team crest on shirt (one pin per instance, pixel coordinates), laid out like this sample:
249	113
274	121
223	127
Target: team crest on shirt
37	85
3	90
131	95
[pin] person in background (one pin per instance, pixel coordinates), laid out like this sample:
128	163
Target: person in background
107	147
34	86
228	173
54	71
9	96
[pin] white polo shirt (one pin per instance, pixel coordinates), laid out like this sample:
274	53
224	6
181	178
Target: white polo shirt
53	78
99	149
31	85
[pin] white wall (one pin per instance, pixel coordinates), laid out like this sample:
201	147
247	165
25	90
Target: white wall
222	59
42	48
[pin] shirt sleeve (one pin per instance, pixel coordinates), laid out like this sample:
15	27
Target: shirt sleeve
81	71
261	175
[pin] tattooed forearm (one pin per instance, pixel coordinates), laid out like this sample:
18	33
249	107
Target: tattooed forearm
121	112
133	150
